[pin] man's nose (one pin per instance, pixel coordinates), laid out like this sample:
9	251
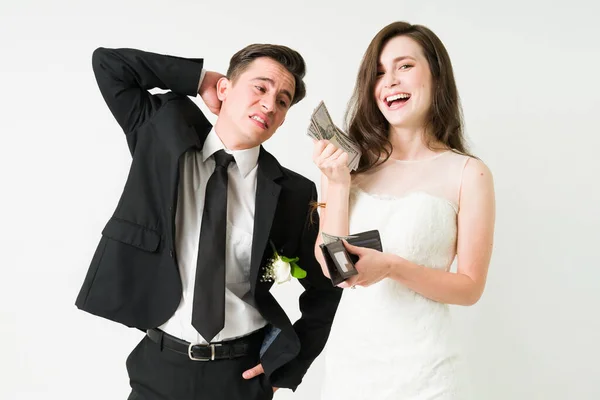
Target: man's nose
267	103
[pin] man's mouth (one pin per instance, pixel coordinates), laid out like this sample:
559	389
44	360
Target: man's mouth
396	99
261	121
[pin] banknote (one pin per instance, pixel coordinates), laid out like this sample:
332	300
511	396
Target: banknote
313	132
327	238
321	127
346	142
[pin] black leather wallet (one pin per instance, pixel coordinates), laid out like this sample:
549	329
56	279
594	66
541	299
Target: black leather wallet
340	263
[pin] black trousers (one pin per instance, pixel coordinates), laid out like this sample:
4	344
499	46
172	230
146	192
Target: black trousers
161	374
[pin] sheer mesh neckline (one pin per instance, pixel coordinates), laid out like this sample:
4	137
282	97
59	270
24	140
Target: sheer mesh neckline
438	155
439	176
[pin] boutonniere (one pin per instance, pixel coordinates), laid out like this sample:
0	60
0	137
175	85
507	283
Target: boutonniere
281	269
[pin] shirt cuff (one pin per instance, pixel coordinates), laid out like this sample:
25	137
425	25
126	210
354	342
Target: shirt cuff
201	79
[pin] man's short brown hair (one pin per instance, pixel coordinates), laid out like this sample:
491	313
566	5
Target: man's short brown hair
290	59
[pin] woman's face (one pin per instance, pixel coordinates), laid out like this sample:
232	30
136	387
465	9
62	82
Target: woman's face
403	86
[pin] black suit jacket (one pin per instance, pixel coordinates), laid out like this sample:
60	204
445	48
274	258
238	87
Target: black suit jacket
133	277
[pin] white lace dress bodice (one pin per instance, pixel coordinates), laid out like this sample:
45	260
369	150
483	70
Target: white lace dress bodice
387	341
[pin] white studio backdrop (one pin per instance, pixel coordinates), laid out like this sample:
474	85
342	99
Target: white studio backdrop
527	73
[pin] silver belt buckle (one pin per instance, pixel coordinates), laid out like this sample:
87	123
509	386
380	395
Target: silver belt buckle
212	352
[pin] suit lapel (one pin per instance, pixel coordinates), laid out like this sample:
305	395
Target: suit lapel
267	195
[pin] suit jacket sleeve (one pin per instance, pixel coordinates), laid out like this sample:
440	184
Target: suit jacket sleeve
318	305
124	77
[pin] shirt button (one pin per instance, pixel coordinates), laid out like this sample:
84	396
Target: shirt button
171	253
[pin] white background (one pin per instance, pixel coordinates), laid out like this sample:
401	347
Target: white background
527	74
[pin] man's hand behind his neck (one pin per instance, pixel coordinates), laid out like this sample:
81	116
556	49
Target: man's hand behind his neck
208	91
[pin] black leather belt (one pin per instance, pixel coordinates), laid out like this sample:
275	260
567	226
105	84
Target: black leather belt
247	345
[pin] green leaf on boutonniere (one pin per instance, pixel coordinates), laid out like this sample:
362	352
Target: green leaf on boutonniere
296	271
289	260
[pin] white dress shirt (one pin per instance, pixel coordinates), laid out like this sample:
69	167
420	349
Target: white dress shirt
241	316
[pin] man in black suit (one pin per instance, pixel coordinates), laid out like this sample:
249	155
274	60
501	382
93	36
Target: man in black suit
183	257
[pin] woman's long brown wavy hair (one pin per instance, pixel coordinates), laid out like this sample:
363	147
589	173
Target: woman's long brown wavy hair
367	125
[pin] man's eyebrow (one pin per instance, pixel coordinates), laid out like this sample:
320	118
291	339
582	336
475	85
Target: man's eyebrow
272	82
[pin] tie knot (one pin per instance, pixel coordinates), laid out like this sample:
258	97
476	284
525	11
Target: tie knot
222	159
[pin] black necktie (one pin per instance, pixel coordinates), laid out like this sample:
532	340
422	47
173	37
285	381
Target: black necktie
208	314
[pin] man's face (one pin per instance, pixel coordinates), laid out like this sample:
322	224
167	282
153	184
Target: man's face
256	102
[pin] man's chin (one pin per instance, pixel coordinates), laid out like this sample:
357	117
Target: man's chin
257	137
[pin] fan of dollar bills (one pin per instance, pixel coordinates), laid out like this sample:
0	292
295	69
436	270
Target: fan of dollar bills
321	127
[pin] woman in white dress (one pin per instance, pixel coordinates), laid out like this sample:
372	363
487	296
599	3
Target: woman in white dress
430	201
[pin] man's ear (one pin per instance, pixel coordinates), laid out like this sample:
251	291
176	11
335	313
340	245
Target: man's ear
223	86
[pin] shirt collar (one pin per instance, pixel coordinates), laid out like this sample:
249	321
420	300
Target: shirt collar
245	160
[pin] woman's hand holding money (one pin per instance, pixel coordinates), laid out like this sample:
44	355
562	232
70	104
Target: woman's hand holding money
332	161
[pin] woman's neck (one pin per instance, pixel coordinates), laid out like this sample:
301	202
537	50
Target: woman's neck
411	144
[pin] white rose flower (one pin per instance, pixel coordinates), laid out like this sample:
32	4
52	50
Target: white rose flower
282	271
